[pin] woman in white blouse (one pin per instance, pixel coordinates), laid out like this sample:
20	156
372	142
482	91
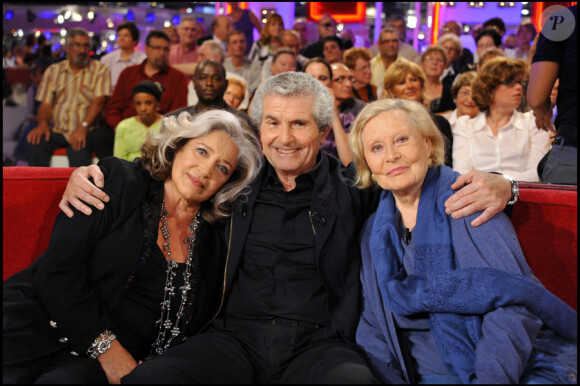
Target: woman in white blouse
500	138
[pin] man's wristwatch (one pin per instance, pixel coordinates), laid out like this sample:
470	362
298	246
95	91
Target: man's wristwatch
84	124
515	189
101	344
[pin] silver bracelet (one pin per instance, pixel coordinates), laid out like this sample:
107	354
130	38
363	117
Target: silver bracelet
101	344
515	189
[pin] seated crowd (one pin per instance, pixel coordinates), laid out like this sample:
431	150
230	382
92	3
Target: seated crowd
260	220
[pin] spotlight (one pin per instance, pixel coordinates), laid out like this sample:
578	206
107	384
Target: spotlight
150	18
91	16
30	16
176	20
9	15
130	16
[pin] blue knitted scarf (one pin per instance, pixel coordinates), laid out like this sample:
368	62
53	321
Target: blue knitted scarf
454	297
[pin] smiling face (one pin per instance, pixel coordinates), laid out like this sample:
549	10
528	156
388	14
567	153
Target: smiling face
396	153
202	166
290	136
465	105
409	88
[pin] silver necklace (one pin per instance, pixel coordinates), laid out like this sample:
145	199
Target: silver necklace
170	329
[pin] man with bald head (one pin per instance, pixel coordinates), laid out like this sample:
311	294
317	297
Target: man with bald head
290	41
221	27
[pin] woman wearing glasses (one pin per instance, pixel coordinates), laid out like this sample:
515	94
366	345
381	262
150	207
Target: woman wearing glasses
500	138
437	94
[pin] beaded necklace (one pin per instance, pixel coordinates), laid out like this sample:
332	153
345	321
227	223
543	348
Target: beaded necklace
168	329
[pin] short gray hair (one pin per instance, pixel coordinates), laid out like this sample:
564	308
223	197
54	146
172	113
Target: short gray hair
454	38
159	151
215	48
77	31
295	84
417	115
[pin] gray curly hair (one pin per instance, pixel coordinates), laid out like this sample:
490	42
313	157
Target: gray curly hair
159	151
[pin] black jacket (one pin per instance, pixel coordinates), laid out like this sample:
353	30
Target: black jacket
82	274
338	211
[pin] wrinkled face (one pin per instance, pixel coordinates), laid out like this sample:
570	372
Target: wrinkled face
125	39
79	50
291	42
202	166
450	50
464	102
237	45
396	153
290	136
209	83
433	64
342	83
234	95
326	27
146	106
283	63
320	73
484	43
504	95
409	88
332	52
157	52
388	44
451	26
361	72
275	28
187	32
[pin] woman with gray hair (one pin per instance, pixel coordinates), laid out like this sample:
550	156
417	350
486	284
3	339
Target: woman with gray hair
445	302
140	276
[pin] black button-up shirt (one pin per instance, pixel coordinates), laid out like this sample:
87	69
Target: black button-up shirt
278	275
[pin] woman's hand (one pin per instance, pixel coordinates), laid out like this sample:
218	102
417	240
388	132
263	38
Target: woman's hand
80	188
481	191
116	362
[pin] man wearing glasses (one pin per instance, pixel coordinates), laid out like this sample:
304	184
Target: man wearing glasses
156	69
326	27
388	53
72	95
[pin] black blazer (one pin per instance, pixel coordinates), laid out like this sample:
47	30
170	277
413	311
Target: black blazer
82	274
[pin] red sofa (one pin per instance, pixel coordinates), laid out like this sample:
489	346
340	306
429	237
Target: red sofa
545	220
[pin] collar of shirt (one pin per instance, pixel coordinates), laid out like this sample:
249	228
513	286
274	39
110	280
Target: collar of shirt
516	120
271	177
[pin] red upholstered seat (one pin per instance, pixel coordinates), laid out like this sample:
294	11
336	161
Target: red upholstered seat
30	205
545	220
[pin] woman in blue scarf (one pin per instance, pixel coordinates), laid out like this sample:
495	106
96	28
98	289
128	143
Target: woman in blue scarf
445	302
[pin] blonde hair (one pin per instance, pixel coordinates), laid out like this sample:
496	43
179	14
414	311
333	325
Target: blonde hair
158	153
397	72
237	82
417	116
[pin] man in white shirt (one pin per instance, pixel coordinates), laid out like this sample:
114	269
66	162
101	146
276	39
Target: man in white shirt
238	64
388	53
126	55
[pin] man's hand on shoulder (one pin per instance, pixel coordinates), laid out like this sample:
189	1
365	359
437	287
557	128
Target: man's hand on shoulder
80	189
479	191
